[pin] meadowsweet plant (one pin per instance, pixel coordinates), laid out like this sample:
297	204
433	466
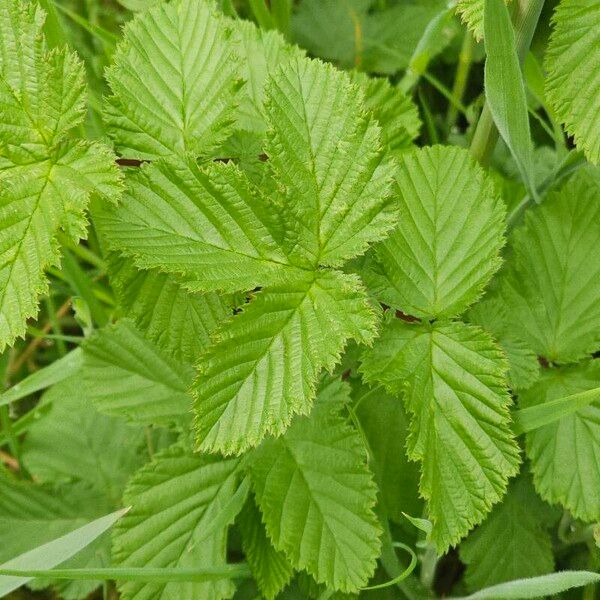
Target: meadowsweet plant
300	299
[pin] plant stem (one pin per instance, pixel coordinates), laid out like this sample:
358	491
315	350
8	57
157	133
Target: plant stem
460	79
525	17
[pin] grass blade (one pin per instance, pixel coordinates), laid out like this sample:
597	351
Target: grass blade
505	90
144	574
533	417
53	553
57	371
535	587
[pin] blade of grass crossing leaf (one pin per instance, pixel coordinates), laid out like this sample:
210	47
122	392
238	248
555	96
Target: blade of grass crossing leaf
505	90
57	371
54	553
533	417
535	587
143	574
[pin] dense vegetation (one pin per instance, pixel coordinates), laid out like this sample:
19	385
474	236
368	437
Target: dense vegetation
299	300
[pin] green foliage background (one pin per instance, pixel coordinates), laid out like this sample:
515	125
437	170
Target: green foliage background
313	286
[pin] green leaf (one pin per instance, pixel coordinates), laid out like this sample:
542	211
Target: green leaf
492	315
325	152
37	202
140	383
536	587
394	111
572	87
552	287
471	14
175	82
264	365
564	454
260	53
56	552
446	245
270	568
452	377
182	505
178	321
505	89
32	515
45	179
317	497
512	542
41	91
208	225
385	424
99	450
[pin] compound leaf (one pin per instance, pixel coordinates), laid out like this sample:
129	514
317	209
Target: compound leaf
452	377
446	245
264	365
316	495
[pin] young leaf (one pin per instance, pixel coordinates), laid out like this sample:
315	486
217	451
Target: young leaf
176	320
175	81
46	180
316	496
271	569
207	225
141	384
564	454
572	85
336	185
182	506
101	451
512	542
505	89
265	363
447	242
452	378
552	287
